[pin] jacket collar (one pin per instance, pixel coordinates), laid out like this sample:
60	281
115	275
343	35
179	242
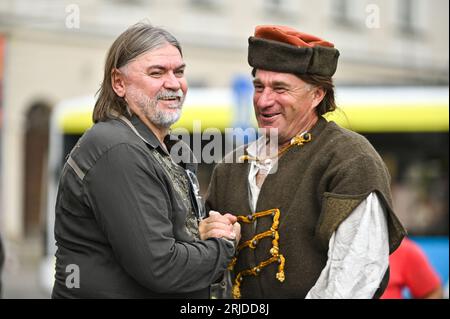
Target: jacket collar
147	134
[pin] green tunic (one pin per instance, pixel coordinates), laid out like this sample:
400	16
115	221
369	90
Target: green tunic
316	186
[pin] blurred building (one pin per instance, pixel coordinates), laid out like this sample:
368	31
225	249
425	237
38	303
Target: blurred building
55	49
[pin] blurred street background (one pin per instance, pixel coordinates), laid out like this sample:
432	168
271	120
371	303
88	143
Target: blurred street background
392	83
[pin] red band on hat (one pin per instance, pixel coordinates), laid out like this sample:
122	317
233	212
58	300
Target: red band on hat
291	36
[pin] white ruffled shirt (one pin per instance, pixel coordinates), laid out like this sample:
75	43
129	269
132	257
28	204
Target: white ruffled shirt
358	253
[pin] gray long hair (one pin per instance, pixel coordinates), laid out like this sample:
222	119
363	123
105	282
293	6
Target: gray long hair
136	40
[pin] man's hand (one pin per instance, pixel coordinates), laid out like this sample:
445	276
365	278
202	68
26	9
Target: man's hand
218	226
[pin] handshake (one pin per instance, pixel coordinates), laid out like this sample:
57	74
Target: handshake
218	226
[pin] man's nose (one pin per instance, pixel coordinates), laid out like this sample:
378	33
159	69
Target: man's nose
265	98
172	82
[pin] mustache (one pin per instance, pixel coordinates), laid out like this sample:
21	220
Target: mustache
167	94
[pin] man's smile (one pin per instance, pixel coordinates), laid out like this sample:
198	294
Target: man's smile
269	117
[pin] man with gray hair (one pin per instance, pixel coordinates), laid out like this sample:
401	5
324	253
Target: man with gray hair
127	215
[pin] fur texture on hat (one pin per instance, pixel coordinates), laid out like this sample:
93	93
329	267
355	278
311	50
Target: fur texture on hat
282	49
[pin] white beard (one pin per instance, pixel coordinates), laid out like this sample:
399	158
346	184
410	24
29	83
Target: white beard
156	115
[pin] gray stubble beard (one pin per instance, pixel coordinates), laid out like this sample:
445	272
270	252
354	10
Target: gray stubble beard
155	115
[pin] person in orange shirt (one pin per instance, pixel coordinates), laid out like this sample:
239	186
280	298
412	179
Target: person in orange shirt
410	268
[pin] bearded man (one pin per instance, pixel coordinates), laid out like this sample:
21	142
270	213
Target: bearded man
127	213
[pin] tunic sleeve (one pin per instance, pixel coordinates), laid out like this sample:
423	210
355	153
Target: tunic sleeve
358	255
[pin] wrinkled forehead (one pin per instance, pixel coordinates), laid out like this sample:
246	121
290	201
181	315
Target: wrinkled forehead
270	77
167	55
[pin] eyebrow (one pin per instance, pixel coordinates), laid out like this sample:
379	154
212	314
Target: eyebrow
162	67
273	84
280	83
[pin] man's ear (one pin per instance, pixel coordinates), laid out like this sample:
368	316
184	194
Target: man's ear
318	95
118	82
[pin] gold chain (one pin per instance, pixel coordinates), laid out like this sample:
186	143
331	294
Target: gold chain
297	140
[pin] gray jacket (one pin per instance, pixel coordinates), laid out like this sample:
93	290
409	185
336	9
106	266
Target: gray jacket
123	221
